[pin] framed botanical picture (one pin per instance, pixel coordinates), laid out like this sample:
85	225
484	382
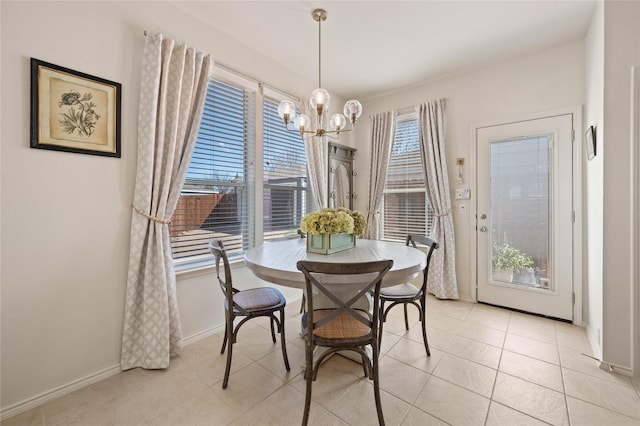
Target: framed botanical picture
590	140
74	112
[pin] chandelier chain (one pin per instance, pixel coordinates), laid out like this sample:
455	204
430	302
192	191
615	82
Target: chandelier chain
319	52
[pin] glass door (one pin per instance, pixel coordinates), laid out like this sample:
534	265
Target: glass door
524	226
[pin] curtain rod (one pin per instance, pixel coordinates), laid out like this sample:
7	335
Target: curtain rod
248	77
254	79
412	109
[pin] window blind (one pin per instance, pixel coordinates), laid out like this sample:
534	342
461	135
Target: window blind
214	200
405	207
285	179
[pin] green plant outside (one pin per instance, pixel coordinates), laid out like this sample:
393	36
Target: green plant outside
506	257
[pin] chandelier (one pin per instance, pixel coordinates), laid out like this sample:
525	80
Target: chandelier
319	101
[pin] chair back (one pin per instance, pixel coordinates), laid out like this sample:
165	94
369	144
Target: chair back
431	245
360	278
224	280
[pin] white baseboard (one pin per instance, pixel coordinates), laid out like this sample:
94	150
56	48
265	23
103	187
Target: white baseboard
616	369
45	397
202	334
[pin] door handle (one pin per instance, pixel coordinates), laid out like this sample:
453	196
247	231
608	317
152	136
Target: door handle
483	229
483	216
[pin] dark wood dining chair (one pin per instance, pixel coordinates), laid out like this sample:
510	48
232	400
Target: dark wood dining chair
344	327
246	304
408	294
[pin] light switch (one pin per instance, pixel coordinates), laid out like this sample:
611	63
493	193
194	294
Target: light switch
462	209
463	193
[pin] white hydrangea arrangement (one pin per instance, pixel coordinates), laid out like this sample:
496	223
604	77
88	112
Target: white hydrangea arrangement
333	221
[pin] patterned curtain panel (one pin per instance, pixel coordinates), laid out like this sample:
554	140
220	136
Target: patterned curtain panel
432	123
383	127
172	94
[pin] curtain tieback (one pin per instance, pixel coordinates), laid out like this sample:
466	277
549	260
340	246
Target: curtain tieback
443	214
150	217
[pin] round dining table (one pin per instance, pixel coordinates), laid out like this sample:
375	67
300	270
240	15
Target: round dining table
276	261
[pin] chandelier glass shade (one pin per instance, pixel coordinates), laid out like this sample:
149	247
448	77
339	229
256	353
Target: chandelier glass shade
319	102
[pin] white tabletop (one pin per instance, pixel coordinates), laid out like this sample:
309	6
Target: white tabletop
276	262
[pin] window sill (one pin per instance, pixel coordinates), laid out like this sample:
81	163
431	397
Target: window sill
205	267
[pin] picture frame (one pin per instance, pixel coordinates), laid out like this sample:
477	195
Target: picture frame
74	112
590	141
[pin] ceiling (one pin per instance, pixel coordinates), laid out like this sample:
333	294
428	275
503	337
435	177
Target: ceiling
374	47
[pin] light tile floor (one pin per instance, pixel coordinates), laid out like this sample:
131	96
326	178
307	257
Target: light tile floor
488	366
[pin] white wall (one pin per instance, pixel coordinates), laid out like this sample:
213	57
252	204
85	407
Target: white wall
621	53
65	217
593	181
545	81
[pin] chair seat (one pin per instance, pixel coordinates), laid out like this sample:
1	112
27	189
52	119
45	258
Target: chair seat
399	291
344	326
258	298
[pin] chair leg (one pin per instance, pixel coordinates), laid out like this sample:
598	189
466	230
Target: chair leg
382	320
424	337
309	377
283	341
376	386
423	320
227	370
406	318
273	333
224	341
365	368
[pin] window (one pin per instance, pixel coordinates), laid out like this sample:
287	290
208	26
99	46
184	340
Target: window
220	198
405	208
284	169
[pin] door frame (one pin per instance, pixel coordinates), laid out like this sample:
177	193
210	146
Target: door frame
635	246
577	160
